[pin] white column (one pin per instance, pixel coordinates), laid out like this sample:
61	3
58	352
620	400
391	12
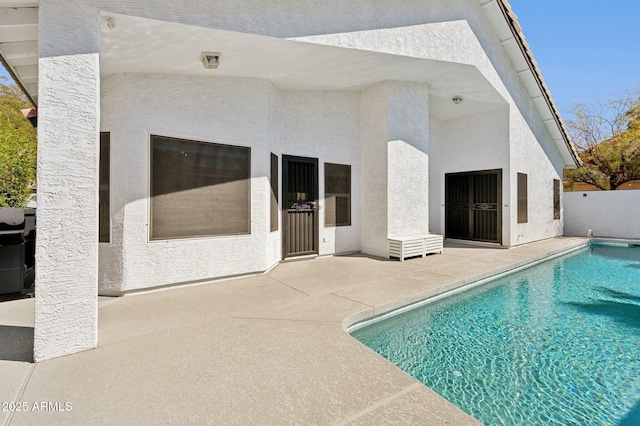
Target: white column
408	160
66	305
395	164
374	132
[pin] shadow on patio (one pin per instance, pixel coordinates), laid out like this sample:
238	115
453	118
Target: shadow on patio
17	343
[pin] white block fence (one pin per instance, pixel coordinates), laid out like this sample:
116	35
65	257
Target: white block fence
607	213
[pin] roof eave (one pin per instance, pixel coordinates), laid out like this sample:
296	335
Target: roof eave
515	28
17	81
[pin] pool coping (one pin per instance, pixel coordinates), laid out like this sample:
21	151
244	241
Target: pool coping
371	316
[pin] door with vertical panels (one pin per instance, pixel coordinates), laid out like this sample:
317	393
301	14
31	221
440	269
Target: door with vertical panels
300	201
472	204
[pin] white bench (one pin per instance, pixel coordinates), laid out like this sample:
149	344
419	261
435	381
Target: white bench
415	245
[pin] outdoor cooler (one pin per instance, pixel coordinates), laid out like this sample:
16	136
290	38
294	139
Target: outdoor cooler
17	250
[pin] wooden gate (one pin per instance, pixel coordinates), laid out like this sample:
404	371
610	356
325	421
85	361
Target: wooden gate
300	206
473	206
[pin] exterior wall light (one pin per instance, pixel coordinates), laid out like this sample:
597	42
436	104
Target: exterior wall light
210	60
456	99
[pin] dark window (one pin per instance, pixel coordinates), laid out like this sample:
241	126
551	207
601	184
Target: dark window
274	192
556	199
337	194
198	189
522	198
103	185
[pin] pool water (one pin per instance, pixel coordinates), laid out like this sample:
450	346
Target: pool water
554	344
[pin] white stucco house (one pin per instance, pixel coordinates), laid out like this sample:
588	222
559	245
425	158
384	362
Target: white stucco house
186	141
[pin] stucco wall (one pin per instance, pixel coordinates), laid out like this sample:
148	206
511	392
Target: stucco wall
471	143
267	17
408	160
66	311
325	125
606	213
394	139
191	108
66	306
498	139
241	112
451	31
528	148
542	164
374	133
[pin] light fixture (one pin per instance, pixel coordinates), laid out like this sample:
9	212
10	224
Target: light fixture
210	60
456	99
111	24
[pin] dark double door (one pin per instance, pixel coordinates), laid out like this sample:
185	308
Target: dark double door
473	206
300	206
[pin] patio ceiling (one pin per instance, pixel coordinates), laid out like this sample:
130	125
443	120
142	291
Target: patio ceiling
176	48
19	43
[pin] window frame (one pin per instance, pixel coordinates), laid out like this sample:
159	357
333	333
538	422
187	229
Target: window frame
327	193
556	199
523	196
151	236
104	179
273	195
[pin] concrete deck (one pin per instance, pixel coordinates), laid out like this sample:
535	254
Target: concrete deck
267	349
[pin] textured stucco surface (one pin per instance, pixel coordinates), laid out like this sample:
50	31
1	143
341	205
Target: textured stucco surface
394	143
517	142
241	112
471	143
374	125
542	164
222	111
455	32
325	125
66	309
606	213
408	160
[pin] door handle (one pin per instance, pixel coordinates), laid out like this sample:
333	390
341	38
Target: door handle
308	206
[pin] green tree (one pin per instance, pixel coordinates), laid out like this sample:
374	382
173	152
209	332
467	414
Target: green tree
608	139
18	148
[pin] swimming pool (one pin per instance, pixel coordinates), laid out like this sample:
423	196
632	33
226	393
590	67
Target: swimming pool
557	343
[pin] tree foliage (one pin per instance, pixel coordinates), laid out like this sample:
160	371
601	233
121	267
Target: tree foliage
607	135
18	148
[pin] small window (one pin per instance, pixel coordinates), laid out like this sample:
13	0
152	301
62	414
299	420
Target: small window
198	189
274	192
556	199
337	193
104	215
522	198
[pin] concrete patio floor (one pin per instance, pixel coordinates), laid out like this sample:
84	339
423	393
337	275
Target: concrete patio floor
266	349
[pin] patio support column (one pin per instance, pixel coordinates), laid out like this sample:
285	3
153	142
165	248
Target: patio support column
66	305
407	160
374	131
395	164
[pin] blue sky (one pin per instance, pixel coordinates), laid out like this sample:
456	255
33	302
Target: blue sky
586	49
4	73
